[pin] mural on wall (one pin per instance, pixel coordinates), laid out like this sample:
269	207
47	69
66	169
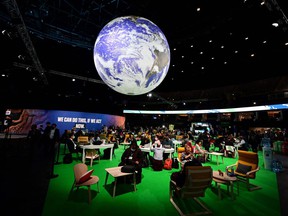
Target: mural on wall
19	121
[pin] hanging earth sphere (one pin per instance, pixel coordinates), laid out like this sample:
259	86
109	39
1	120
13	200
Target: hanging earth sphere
131	55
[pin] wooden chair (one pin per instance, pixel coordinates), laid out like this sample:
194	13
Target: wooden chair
109	137
83	177
83	139
197	180
91	154
179	153
246	167
179	137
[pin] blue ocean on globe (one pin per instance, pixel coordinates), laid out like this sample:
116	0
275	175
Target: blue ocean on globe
131	55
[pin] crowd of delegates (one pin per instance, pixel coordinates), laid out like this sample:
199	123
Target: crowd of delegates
160	137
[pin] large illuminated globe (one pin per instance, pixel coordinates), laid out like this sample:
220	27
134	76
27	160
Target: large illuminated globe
131	55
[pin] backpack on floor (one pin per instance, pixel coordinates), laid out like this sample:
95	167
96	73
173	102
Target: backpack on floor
168	164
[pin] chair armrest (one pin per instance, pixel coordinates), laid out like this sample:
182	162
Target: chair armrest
174	185
230	166
253	171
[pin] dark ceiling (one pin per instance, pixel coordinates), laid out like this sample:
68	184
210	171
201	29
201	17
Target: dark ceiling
226	54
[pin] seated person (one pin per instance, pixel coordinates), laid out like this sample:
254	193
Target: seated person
179	177
157	159
200	151
240	143
72	146
188	155
133	156
229	151
167	143
218	142
145	142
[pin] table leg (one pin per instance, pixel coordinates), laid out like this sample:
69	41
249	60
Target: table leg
114	188
134	180
106	178
83	156
111	153
232	191
219	191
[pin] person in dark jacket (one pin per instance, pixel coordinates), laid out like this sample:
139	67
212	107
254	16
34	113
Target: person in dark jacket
133	156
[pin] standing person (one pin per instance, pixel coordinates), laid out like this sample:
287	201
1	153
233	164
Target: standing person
133	156
52	134
33	138
46	137
41	129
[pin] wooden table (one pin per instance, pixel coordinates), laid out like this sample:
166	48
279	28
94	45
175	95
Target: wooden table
170	151
217	154
116	172
102	146
227	180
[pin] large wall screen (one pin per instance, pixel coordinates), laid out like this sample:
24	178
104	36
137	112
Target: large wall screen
20	120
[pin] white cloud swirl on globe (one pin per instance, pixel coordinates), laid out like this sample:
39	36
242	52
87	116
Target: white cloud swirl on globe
132	55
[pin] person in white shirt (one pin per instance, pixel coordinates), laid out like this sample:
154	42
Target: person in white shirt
158	150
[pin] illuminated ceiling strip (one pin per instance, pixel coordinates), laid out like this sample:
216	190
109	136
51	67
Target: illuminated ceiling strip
227	110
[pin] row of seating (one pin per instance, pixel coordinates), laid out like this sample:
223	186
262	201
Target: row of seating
199	178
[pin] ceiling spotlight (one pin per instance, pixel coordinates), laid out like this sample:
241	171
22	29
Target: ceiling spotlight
6	33
28	68
275	24
21	57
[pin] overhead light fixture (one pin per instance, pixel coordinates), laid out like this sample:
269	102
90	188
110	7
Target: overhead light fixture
275	24
28	68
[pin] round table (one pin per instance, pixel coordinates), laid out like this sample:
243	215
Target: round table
227	180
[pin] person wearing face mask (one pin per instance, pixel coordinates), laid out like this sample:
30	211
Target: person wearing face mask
133	156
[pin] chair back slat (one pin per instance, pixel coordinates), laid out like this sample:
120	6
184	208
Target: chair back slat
198	179
83	139
249	159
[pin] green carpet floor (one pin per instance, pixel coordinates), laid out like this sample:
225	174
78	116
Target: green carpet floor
152	195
